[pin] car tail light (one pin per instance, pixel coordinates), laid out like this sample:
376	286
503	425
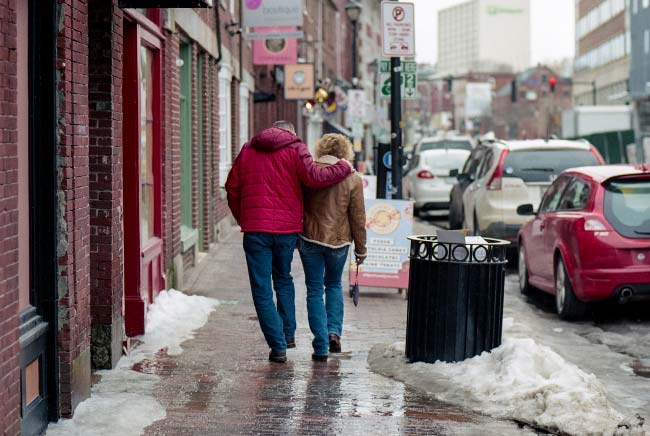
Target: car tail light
495	181
594	225
424	174
596	153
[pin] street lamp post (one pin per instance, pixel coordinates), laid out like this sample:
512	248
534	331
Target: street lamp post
353	10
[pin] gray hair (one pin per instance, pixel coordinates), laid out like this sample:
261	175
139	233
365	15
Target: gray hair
286	125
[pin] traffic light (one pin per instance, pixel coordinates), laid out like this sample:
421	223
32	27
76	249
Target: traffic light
551	83
513	91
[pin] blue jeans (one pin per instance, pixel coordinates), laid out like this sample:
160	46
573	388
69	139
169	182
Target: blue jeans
269	257
323	270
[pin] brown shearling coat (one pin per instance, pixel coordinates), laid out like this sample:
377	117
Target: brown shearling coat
336	216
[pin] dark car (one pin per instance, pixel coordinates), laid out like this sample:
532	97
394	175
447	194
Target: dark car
465	177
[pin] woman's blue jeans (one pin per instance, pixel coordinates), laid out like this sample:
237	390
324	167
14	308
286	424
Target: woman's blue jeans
323	270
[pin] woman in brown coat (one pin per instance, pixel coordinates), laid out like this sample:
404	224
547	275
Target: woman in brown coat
334	217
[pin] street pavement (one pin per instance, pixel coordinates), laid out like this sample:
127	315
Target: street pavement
222	384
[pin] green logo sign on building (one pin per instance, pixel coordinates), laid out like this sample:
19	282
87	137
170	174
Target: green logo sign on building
497	10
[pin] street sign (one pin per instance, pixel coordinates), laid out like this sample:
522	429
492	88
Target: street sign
409	79
398	28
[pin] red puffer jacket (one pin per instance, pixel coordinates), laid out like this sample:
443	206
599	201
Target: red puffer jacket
265	183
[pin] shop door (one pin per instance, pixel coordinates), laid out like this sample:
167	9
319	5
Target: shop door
144	274
36	214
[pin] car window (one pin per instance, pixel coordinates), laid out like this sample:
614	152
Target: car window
627	207
537	166
472	164
576	195
445	145
553	194
486	164
451	160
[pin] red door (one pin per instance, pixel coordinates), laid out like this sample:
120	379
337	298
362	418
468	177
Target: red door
144	274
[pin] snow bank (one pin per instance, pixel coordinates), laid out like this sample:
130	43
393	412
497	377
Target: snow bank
123	402
520	380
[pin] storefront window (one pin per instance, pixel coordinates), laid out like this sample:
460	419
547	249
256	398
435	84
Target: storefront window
146	145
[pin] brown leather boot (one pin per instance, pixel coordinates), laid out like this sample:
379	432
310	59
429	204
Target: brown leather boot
335	343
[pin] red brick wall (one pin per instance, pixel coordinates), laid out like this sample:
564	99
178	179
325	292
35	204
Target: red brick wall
9	349
105	165
208	147
74	218
171	150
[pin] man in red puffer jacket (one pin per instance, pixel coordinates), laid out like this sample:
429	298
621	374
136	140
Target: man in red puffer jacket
265	196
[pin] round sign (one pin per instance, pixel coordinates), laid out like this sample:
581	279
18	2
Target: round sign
398	13
299	77
387	160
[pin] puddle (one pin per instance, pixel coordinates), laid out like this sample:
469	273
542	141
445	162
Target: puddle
160	364
199	398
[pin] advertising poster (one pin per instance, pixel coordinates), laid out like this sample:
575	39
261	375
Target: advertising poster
388	224
369	186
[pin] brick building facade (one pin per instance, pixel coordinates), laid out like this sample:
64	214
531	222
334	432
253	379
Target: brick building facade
107	149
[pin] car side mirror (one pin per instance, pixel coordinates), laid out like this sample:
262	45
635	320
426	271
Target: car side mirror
526	210
454	172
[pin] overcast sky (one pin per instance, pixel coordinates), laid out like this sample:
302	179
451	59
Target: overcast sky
552	23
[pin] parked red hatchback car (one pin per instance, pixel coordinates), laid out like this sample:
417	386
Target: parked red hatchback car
590	239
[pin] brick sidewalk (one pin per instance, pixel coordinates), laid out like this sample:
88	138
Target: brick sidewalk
223	384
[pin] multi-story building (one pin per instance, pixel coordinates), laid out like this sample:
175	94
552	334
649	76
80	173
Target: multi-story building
602	64
639	15
117	132
537	111
467	39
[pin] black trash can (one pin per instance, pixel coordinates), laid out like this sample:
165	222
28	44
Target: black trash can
455	299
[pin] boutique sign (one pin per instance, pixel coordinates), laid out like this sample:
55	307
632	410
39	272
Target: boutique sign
258	13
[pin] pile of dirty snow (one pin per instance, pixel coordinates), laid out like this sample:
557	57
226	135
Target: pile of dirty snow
520	380
123	402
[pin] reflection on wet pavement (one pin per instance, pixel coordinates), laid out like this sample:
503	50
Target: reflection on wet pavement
222	384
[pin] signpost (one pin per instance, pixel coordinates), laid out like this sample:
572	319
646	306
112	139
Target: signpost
409	79
398	39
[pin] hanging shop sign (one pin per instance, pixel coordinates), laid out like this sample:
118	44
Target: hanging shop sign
356	102
298	81
275	51
398	28
128	4
409	79
259	13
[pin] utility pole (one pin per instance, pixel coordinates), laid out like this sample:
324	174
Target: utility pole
396	127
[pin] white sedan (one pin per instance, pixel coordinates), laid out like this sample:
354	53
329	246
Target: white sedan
428	182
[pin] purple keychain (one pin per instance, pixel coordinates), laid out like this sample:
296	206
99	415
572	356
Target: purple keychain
355	288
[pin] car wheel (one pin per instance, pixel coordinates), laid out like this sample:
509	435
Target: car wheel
566	303
455	222
524	286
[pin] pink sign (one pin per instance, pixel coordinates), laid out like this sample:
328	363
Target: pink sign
280	51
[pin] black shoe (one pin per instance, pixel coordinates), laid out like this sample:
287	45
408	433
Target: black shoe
277	357
335	343
291	343
319	357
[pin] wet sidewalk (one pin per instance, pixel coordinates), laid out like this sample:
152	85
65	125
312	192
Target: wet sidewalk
222	384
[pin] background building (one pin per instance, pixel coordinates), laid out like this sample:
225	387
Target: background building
602	52
467	39
537	111
640	74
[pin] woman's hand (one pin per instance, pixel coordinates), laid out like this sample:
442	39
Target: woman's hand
359	260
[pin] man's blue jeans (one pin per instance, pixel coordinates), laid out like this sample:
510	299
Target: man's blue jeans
269	257
323	270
